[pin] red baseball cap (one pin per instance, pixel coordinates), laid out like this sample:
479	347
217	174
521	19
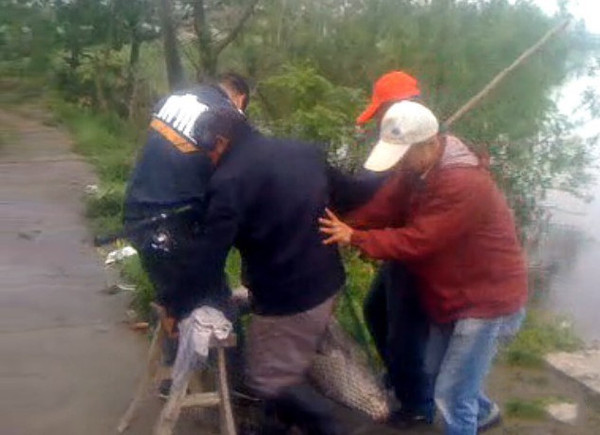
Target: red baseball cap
393	86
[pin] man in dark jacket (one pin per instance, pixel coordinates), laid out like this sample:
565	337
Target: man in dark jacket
393	312
164	201
264	199
442	213
170	180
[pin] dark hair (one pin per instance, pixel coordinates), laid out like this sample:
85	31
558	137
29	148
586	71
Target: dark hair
219	122
236	83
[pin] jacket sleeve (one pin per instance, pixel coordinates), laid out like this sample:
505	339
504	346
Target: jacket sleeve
219	230
452	205
385	208
348	192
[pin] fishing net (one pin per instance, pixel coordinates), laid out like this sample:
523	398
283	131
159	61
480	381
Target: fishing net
341	371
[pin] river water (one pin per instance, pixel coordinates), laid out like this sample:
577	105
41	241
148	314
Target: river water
570	254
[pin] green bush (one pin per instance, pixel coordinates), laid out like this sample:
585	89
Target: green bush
539	336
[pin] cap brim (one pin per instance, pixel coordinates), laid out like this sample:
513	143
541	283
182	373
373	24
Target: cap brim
368	114
385	155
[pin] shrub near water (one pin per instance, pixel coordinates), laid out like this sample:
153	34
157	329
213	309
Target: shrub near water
539	336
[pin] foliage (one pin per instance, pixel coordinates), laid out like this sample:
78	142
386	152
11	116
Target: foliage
539	336
27	36
299	102
527	168
349	309
99	81
216	25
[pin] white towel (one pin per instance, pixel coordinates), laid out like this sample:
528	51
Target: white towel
195	332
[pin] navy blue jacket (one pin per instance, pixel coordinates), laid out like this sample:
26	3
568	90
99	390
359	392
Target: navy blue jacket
164	176
265	198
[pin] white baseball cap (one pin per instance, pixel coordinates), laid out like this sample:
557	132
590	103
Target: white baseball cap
404	123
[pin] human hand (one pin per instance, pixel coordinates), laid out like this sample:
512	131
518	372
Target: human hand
168	323
337	230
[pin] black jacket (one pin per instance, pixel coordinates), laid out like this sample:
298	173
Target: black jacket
265	198
164	177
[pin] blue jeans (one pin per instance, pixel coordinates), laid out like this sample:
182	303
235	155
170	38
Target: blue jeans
458	358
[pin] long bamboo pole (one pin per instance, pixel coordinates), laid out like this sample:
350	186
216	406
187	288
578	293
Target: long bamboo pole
502	74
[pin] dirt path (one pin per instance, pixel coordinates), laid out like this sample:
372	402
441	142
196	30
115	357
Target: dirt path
68	365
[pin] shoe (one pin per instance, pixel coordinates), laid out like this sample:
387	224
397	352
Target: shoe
493	419
164	388
406	420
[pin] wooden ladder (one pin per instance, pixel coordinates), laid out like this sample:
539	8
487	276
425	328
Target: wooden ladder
181	399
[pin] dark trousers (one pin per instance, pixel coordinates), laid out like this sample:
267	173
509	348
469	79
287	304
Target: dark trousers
167	252
399	327
170	253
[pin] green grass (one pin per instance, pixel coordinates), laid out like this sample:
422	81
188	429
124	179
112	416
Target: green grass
133	273
531	409
525	409
110	145
540	335
18	90
349	312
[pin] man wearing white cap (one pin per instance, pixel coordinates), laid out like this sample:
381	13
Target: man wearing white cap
442	215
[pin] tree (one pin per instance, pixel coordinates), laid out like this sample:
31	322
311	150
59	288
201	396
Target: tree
175	73
211	41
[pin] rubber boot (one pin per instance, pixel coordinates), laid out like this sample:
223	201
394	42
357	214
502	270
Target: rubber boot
271	423
308	409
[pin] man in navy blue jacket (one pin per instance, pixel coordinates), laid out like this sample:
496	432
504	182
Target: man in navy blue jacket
170	178
265	198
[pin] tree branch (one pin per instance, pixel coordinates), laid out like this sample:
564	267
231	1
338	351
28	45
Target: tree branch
222	44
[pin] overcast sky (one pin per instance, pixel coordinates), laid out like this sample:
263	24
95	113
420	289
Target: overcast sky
589	10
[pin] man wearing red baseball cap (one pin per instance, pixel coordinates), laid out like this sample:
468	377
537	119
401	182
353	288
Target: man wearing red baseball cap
389	88
392	310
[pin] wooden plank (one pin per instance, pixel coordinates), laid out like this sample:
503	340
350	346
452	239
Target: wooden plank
202	400
170	412
152	364
226	411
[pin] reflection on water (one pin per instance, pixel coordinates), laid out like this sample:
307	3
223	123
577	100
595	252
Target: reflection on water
570	260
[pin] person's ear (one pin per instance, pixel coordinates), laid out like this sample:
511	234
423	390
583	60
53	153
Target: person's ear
239	100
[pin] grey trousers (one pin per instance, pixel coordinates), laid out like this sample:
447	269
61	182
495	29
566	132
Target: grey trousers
280	349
